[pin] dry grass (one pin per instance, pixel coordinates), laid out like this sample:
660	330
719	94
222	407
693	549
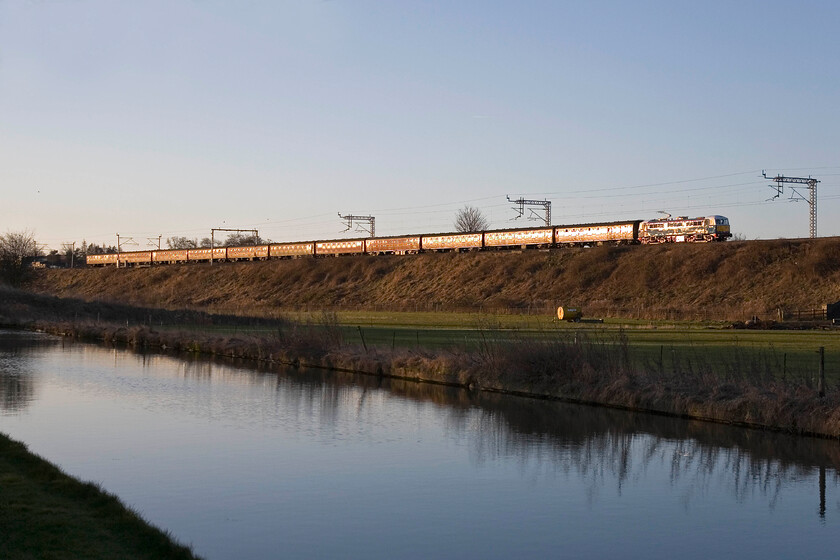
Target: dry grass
726	281
571	365
731	390
571	368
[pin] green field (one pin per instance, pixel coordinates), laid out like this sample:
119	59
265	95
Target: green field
661	344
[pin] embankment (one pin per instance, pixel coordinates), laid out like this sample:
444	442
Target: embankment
728	281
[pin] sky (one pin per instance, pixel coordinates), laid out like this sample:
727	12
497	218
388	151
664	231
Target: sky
169	118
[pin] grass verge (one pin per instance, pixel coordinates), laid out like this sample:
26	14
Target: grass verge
45	514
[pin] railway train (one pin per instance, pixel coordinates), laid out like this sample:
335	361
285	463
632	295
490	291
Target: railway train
663	230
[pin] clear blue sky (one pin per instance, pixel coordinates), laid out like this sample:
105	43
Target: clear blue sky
169	118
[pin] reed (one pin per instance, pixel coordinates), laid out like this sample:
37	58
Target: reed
731	388
737	387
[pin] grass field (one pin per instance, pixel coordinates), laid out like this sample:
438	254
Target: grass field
658	344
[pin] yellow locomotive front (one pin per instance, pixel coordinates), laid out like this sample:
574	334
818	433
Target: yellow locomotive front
718	226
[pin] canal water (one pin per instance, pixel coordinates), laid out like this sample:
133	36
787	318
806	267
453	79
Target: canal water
243	462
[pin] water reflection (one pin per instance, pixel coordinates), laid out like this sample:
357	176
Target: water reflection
18	352
16	391
604	446
601	447
607	453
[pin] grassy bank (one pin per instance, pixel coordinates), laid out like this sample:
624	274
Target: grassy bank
574	365
720	281
47	514
666	344
574	368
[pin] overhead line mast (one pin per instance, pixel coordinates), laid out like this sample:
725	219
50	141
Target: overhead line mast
213	237
123	241
796	196
371	221
520	209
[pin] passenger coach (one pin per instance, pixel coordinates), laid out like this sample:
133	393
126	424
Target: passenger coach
664	230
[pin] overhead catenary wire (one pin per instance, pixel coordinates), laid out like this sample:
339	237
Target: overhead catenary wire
394	220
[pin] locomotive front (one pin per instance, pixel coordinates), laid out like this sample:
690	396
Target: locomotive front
719	227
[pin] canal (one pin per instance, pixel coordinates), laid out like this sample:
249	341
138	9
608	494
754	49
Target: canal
245	461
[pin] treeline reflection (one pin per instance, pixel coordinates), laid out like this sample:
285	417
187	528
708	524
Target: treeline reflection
17	370
603	447
606	449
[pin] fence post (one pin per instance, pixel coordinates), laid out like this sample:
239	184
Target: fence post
821	386
784	368
822	491
661	360
362	336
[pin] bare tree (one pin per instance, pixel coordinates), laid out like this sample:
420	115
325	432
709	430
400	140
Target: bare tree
181	243
17	250
470	218
94	249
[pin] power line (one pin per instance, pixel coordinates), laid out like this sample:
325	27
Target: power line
315	223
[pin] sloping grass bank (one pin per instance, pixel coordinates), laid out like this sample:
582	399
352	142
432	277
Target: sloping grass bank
45	513
717	281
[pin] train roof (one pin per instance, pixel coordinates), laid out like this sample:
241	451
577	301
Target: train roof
599	224
535	228
683	218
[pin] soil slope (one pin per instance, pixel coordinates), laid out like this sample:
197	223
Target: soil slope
728	281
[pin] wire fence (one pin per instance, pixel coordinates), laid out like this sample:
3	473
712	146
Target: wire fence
591	310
